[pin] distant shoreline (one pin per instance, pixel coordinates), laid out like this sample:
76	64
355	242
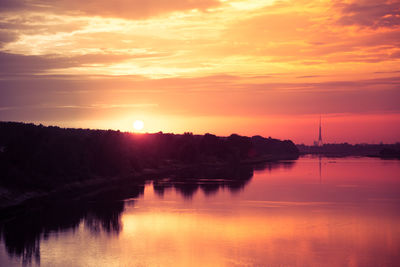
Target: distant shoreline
383	151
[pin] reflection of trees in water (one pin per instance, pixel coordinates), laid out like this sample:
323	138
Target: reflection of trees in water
210	188
105	217
271	166
210	179
100	213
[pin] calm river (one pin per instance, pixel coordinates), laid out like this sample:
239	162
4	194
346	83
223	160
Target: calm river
308	212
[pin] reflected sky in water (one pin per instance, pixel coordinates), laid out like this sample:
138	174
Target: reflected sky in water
309	212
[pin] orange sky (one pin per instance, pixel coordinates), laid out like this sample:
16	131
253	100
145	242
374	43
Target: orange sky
249	67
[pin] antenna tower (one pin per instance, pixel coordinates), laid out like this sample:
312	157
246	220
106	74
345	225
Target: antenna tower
320	135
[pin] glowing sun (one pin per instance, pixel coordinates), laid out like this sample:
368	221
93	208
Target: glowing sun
138	125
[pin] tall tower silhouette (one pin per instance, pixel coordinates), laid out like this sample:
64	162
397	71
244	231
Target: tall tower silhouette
320	135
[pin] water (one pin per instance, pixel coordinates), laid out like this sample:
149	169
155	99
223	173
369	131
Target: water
309	212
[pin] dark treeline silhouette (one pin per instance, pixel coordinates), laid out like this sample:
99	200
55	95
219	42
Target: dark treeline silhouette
38	157
24	228
389	151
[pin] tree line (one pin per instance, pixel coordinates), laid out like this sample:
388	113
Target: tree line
35	156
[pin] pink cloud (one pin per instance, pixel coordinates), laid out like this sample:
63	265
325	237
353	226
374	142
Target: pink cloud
373	14
129	9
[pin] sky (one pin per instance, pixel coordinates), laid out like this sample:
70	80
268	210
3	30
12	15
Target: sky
248	67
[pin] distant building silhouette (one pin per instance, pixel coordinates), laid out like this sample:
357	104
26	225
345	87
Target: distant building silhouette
319	142
320	135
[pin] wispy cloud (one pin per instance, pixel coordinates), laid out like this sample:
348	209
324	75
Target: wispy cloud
92	106
373	14
129	9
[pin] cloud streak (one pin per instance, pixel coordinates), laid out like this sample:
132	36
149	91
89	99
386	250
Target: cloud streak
373	14
128	9
231	95
16	64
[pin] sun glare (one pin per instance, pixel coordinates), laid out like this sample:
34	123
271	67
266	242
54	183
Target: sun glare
138	125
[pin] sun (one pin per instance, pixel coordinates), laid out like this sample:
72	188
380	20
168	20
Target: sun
138	125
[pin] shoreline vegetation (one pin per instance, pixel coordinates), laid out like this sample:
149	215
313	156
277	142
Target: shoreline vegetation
38	162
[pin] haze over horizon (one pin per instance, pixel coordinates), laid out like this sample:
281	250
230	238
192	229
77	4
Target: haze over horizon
249	67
